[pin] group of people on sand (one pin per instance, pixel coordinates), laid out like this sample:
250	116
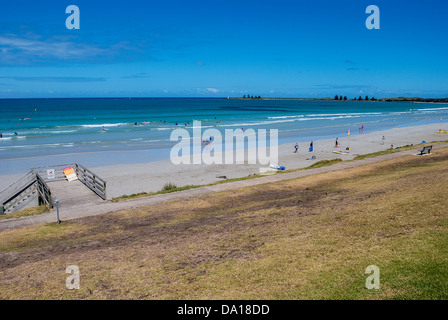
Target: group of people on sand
296	147
361	129
337	144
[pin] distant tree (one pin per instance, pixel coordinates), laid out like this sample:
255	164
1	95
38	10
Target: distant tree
251	97
360	98
373	99
258	97
336	97
340	97
244	97
367	98
345	98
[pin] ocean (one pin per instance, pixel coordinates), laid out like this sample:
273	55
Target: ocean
98	131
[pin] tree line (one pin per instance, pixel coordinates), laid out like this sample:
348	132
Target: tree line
251	97
337	97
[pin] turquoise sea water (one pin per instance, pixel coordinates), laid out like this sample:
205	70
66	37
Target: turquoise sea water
49	127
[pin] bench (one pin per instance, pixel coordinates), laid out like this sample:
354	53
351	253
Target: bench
426	149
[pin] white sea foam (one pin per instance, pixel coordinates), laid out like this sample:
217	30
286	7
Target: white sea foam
248	124
103	125
62	131
431	109
286	117
343	114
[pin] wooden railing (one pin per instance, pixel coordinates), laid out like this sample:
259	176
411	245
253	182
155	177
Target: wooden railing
18	192
44	192
86	176
91	180
57	169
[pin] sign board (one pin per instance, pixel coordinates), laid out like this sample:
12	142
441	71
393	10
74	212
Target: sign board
70	174
50	174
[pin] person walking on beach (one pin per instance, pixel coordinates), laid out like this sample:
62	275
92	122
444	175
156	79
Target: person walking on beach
383	139
336	144
362	129
296	147
311	147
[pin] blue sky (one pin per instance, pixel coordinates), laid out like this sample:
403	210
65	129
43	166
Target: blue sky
220	48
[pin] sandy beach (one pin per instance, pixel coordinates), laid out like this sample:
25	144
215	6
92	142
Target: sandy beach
128	179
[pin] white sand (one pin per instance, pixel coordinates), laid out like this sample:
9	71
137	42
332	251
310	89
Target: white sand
152	176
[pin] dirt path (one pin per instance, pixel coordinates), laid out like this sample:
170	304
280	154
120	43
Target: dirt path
89	209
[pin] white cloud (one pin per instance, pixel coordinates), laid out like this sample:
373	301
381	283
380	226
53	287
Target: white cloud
213	90
63	50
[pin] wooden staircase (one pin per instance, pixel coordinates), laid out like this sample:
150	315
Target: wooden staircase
34	185
16	196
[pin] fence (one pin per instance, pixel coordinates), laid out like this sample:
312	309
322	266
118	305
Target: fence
91	180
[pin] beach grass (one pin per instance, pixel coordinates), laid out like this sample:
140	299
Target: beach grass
169	187
404	148
25	213
165	189
306	238
324	163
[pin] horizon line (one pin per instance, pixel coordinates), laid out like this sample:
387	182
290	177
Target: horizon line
225	98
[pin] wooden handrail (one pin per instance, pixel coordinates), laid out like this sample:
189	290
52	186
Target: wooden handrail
91	180
16	192
13	188
45	193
